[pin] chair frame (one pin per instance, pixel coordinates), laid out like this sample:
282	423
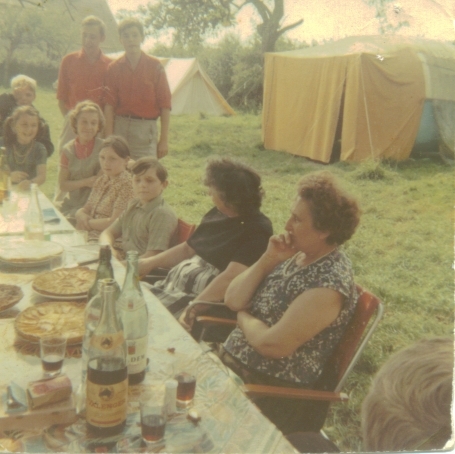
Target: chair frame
344	358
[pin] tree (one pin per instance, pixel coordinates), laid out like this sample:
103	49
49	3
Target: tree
192	21
388	15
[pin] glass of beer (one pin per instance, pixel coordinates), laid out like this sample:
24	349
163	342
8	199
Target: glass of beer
52	353
185	390
153	422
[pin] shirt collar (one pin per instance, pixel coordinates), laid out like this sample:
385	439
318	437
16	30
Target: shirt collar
149	206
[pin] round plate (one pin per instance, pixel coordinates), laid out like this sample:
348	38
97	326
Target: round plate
62	297
65	283
12	301
26	253
49	318
26	264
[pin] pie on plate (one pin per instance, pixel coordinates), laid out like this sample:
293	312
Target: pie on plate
9	296
65	282
62	318
29	251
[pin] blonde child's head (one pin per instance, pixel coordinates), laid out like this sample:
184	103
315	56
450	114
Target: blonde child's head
13	125
24	89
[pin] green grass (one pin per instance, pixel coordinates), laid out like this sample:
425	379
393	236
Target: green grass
402	251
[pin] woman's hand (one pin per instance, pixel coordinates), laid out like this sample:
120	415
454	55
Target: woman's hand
82	220
90	181
24	185
280	248
17	176
187	318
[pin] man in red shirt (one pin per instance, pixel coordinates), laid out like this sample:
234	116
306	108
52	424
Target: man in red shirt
137	93
82	73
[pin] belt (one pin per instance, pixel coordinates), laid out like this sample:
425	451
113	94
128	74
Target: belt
134	117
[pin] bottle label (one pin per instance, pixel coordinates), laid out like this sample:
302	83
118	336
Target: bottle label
106	342
137	354
106	404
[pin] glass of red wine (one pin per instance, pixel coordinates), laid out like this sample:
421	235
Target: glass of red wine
52	353
185	390
153	422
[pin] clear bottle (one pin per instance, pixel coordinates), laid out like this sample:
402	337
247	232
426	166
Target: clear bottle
5	183
107	372
104	271
34	221
133	314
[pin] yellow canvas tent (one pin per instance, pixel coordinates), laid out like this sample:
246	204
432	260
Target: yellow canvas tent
367	91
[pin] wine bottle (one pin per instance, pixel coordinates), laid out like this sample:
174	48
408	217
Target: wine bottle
107	372
34	221
104	271
133	314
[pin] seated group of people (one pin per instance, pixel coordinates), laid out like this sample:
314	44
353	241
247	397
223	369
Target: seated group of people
293	293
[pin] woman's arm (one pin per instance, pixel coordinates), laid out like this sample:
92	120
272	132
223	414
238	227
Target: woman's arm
40	174
82	218
242	288
166	259
215	291
310	313
68	185
103	223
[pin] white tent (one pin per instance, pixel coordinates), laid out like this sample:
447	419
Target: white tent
192	89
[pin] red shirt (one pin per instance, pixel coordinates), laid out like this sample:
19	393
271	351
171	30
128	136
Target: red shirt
79	79
141	92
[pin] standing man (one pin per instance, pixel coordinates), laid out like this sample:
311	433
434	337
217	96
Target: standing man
82	73
137	93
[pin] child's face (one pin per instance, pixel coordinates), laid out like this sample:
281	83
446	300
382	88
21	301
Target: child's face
131	39
147	186
24	96
111	163
87	126
26	128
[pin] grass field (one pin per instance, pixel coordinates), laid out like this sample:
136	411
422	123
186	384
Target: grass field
402	251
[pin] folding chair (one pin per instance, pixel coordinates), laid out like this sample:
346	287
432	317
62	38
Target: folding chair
340	364
184	231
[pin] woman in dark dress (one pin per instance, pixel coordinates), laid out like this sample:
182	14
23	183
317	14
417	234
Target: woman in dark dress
230	238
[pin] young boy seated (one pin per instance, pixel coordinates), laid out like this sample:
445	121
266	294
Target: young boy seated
23	94
148	225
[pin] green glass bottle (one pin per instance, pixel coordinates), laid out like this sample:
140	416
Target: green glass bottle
104	271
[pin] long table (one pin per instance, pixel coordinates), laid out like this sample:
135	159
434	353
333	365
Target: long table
12	215
230	422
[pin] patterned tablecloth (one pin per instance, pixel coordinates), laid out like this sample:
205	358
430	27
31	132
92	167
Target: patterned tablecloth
230	423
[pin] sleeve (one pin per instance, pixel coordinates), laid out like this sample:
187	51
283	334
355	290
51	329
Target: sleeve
45	138
110	86
89	204
62	83
163	92
41	154
64	161
124	194
164	225
253	246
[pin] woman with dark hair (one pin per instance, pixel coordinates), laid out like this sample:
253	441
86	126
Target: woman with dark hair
111	191
295	302
230	238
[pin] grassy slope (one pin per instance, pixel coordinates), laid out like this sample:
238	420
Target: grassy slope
402	252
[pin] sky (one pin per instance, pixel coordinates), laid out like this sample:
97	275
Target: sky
335	19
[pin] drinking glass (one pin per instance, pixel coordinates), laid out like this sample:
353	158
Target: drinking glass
185	390
52	352
153	422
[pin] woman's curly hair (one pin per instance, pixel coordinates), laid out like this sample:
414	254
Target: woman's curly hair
238	185
333	210
9	136
86	106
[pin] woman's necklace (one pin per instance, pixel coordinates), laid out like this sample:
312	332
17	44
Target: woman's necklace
299	261
20	158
